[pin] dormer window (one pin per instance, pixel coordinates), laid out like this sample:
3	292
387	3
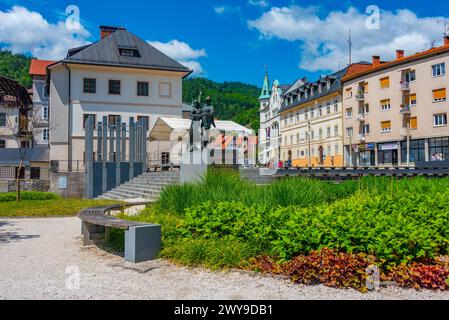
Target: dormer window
127	52
328	84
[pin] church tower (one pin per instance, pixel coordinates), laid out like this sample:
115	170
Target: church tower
266	92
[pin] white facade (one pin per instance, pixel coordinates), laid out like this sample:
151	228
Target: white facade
70	104
270	125
41	112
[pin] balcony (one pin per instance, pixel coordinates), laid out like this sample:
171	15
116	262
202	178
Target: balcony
362	138
405	86
361	117
406	109
360	96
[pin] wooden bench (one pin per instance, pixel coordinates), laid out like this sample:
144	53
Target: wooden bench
142	240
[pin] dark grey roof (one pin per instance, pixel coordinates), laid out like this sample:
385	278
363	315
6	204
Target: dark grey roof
106	52
11	157
334	87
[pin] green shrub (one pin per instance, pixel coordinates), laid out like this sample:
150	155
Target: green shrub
396	228
28	196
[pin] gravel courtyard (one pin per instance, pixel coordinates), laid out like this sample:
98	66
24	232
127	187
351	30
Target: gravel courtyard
35	253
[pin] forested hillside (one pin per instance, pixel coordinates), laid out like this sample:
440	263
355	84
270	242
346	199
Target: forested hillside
232	100
15	66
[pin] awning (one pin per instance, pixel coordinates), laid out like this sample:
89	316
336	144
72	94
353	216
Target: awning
165	126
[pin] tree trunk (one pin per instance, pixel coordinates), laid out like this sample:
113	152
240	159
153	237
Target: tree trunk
18	181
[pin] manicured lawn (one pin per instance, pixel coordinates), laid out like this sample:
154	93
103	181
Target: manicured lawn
46	208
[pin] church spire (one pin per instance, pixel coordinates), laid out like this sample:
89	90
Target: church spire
266	92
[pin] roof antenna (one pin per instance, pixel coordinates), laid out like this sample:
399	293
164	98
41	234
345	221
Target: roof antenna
350	47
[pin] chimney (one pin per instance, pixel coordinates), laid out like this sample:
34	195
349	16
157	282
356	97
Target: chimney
399	54
446	40
106	31
376	61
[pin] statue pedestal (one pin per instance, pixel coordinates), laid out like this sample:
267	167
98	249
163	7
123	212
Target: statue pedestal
194	166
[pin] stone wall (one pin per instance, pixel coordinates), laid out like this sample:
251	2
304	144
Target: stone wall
28	185
75	187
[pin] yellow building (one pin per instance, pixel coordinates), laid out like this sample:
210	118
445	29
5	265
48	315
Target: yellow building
312	122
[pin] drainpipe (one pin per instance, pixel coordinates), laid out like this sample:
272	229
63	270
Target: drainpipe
69	126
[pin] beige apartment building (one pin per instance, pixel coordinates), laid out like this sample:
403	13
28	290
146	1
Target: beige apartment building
311	121
395	113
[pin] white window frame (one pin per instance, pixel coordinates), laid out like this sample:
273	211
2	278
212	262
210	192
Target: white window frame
440	120
350	132
45	114
349	113
441	67
45	135
385	107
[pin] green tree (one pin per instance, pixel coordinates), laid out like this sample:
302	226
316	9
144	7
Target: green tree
16	67
234	101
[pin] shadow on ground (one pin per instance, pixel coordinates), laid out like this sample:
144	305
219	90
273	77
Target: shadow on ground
12	236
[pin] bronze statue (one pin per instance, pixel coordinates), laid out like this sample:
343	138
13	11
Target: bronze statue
202	118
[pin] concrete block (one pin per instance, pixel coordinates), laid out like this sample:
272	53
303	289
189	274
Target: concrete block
142	243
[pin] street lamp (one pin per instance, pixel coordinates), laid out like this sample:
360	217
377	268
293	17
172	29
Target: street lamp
309	142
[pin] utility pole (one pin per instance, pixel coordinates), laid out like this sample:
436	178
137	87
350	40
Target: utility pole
408	142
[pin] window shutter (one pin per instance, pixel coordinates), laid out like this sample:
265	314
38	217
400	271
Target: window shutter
385	82
414	123
439	94
386	125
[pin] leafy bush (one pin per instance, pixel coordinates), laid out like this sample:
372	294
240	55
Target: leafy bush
418	275
28	195
395	228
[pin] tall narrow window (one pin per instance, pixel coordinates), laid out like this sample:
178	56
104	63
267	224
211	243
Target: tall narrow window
45	135
2	119
45	113
414	123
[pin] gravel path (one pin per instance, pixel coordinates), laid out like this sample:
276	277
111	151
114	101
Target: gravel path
34	255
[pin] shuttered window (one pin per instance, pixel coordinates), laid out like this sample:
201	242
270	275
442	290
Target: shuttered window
413	99
386	126
414	123
439	95
365	87
385	82
385	104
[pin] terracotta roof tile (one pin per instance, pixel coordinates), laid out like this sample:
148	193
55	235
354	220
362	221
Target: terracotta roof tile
39	67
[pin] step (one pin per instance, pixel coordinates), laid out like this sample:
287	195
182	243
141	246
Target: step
138	190
149	184
131	194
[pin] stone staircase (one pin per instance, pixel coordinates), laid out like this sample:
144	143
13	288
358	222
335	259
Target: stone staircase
254	176
148	186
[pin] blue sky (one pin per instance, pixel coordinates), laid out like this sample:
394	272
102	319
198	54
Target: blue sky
232	40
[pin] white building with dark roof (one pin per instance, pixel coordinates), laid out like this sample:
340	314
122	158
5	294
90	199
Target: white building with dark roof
122	76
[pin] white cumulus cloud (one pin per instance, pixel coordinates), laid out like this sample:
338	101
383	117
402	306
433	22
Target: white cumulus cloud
24	31
323	39
183	53
259	3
